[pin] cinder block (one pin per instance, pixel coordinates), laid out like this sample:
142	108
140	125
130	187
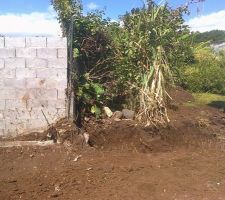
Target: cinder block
25	73
17	126
61	112
10	115
8	94
2	124
50	113
47	73
7	73
2	63
61	94
40	94
1	114
56	84
11	42
2	42
57	63
26	94
54	42
26	52
2	132
62	53
7	52
32	83
61	74
36	63
14	83
36	124
46	94
15	63
45	83
16	105
47	53
37	104
58	104
2	85
2	105
37	42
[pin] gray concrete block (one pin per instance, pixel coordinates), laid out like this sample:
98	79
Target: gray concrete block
61	74
46	73
40	94
16	105
51	114
62	53
2	132
2	124
61	94
25	94
32	83
45	83
36	63
7	52
36	124
2	63
46	94
57	63
58	104
26	52
14	83
37	104
37	42
2	42
25	73
54	42
2	104
15	63
1	114
11	42
47	53
7	73
8	94
61	112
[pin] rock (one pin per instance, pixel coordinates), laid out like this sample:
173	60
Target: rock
86	138
128	114
117	115
108	112
117	119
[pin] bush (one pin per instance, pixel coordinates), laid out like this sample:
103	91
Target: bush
206	74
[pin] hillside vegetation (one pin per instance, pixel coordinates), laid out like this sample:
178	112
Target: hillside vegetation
214	36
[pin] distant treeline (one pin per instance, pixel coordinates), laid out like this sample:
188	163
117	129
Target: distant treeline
214	36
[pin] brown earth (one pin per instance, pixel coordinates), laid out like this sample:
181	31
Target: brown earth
184	161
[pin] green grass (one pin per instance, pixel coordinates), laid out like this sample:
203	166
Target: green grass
214	100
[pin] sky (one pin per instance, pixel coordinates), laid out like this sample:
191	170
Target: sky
37	17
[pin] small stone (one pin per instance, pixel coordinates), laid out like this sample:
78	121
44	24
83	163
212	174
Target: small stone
117	119
108	112
128	114
117	115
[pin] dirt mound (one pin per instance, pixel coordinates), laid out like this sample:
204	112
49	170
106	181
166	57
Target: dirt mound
124	135
179	95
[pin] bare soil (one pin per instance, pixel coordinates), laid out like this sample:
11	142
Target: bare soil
184	161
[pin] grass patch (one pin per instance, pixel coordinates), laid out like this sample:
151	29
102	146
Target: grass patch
214	100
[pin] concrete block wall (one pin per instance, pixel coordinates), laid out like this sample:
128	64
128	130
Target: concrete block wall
33	73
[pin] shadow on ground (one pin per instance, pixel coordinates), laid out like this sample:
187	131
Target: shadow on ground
218	104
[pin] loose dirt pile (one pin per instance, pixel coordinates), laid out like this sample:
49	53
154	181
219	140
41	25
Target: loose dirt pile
184	161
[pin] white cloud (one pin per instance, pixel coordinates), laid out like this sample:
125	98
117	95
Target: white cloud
92	6
208	22
35	23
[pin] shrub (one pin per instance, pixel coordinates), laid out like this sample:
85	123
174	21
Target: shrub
206	74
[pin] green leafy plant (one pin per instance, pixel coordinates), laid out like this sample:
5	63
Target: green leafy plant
146	48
